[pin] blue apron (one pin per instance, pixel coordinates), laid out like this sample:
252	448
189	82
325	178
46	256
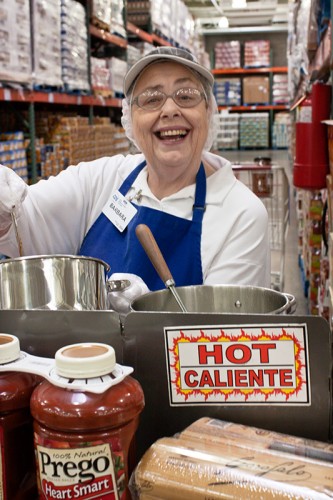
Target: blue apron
178	239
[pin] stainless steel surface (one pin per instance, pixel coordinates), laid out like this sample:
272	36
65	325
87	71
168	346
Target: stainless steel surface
144	334
42	333
54	282
171	285
219	299
17	234
117	285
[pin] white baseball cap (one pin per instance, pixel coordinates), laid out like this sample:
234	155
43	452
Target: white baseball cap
181	56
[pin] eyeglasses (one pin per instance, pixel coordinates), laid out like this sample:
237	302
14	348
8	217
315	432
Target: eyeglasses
151	100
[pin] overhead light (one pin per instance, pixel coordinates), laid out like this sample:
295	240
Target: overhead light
238	4
223	22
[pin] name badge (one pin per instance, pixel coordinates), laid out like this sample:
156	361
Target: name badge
119	211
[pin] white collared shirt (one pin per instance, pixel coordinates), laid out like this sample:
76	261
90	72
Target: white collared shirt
58	212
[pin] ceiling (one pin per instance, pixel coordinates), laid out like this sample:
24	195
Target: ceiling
264	14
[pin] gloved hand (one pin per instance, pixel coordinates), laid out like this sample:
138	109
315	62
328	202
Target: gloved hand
121	301
13	190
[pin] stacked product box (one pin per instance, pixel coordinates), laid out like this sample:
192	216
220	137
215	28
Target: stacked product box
256	53
51	159
227	54
110	139
76	139
117	25
228	91
118	69
100	77
324	285
15	42
227	131
280	91
163	19
46	24
312	244
185	34
281	130
254	130
101	13
13	153
330	278
133	54
67	140
300	218
138	12
142	47
256	90
169	19
74	46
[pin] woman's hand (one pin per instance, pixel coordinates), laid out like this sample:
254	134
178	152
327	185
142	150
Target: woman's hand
121	301
13	190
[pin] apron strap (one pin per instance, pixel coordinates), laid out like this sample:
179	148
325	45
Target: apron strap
199	205
127	184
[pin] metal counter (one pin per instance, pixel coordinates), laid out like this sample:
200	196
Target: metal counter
142	344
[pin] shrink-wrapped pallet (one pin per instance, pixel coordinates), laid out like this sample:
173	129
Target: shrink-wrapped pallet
118	70
193	467
15	51
46	43
117	25
101	13
74	46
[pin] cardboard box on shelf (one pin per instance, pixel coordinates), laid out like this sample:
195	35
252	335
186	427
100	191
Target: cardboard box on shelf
256	90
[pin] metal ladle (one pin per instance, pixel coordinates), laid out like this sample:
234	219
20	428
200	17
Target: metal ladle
151	248
18	238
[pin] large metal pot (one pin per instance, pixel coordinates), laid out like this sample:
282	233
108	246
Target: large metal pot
219	299
55	282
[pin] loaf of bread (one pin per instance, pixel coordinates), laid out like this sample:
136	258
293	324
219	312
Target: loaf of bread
201	467
216	431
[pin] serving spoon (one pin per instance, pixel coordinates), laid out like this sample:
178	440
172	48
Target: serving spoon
18	238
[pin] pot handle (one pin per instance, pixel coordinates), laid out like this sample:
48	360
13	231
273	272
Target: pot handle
291	306
117	285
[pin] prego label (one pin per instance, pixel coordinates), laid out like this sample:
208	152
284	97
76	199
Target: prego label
88	472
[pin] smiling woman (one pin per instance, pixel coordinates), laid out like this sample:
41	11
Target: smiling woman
210	227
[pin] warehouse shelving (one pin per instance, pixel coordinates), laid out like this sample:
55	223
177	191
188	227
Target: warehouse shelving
255	107
253	71
147	37
88	102
247	71
31	96
107	37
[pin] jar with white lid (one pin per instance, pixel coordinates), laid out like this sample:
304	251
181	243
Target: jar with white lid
82	438
17	463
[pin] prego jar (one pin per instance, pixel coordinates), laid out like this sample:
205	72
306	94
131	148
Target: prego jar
17	463
82	438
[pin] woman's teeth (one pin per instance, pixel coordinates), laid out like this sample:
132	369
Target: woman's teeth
172	133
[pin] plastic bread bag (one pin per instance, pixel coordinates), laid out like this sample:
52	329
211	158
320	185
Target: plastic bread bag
185	469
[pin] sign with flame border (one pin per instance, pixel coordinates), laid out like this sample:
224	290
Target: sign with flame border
238	365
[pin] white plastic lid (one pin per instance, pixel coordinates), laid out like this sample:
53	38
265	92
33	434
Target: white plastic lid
85	360
9	348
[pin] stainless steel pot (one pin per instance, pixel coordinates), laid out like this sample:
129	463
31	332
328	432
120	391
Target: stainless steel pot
55	282
219	299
